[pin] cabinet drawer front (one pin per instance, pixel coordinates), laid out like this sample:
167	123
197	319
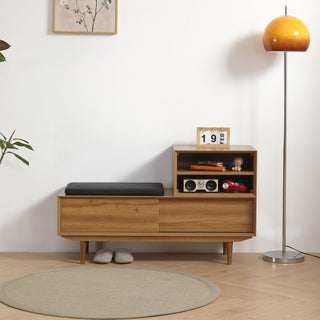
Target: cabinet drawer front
109	215
218	215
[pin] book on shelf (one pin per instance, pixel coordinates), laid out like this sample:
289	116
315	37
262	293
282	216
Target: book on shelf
211	163
203	167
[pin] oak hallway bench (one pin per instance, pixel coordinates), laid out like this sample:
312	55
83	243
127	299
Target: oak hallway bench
147	212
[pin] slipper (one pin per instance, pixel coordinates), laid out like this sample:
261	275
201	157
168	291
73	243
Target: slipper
122	255
103	256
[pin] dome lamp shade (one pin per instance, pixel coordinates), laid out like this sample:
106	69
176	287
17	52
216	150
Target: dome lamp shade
286	33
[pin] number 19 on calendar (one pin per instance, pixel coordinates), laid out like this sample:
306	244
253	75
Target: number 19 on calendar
213	137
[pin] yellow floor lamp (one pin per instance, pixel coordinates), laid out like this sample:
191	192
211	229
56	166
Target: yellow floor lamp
285	33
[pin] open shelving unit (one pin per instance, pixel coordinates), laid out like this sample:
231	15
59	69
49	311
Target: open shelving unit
185	156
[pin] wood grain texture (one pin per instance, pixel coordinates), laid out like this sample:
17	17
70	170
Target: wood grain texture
250	288
84	246
160	237
228	247
157	219
206	215
126	215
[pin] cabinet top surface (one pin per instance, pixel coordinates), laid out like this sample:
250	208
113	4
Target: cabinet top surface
232	148
168	194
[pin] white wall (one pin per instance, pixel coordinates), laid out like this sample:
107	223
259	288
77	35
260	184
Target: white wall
109	108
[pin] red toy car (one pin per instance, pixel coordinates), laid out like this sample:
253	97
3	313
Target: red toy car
228	185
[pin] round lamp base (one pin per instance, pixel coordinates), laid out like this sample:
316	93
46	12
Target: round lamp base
285	257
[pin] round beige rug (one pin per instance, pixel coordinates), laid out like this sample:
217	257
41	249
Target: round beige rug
108	292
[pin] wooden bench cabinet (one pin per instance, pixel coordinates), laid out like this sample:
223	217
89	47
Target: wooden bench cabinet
174	217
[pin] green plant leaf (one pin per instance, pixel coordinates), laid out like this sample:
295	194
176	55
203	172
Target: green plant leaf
3	136
11	146
2	57
19	139
20	158
20	144
2	144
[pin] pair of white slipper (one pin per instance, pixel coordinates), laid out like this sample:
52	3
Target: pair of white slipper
121	255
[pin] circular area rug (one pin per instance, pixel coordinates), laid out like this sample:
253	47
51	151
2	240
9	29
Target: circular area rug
108	292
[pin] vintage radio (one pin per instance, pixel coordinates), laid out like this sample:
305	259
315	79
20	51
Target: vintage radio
200	185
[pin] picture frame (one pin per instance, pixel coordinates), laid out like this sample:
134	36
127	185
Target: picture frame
213	137
86	16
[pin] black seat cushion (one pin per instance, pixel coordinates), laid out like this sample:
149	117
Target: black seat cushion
115	188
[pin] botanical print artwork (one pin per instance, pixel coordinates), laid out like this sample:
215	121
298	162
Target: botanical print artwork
86	16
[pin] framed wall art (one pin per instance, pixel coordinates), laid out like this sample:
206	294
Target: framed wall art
85	16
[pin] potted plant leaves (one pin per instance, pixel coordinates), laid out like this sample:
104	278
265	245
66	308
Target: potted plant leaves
9	146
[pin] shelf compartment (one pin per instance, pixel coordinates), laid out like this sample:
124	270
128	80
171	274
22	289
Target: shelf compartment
246	180
185	160
185	156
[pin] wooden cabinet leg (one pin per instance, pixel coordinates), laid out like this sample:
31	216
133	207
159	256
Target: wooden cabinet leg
224	248
83	251
229	246
87	247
